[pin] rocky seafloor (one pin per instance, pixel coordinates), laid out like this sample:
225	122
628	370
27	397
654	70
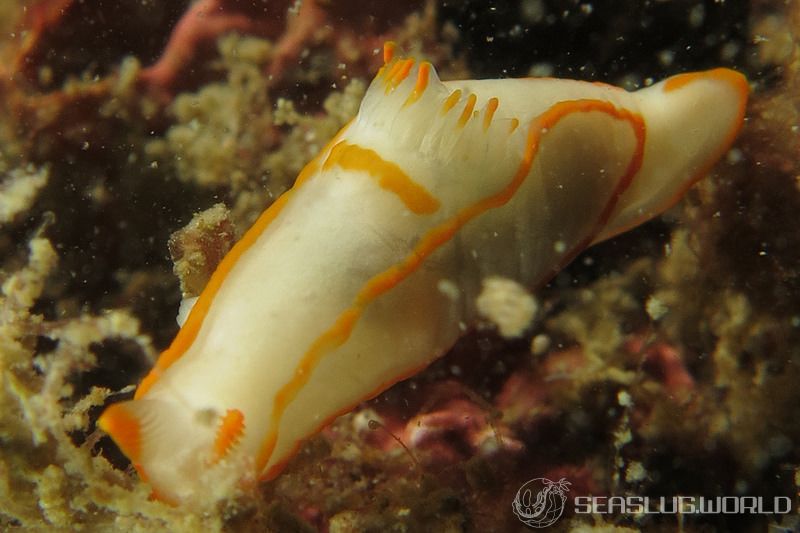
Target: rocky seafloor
138	140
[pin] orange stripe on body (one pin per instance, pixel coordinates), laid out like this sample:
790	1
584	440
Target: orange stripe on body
343	326
634	165
276	469
726	75
389	176
605	85
187	334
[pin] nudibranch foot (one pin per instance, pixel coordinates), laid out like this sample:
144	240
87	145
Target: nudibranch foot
368	268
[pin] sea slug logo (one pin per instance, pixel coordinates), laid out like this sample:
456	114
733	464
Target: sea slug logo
540	502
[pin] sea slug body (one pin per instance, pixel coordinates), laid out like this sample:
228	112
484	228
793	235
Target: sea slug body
335	293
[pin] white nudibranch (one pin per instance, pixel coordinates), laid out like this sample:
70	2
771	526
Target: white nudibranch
335	293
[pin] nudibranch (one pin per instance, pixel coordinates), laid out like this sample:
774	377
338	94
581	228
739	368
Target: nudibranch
369	267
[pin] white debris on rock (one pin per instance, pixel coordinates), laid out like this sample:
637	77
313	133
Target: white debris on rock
540	344
18	190
508	305
656	308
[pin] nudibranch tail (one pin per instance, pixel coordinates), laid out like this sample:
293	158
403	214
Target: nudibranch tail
367	269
